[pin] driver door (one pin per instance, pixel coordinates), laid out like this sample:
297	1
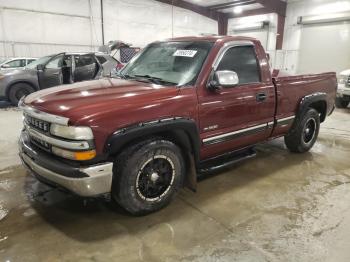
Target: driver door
234	117
51	74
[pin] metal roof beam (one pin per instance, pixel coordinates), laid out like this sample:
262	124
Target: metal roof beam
231	4
204	11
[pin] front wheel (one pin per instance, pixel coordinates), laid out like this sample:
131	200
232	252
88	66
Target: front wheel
17	91
147	176
304	132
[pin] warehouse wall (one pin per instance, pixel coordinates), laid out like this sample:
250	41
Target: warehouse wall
140	22
39	27
316	48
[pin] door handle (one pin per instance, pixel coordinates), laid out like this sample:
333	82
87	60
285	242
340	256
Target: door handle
261	97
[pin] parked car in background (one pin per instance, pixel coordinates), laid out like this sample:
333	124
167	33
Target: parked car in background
16	63
180	108
108	63
343	94
53	70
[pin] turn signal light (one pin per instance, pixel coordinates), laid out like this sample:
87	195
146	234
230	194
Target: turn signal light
85	155
79	156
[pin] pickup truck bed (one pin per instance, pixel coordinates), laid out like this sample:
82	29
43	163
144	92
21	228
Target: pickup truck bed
182	106
291	90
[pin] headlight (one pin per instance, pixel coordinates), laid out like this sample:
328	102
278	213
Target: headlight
73	155
72	132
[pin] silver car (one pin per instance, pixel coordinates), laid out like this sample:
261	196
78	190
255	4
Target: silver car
15	63
54	70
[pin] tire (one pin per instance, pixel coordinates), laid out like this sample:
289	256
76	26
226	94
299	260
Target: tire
17	91
304	132
340	103
147	176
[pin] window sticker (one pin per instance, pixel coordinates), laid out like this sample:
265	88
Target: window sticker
185	53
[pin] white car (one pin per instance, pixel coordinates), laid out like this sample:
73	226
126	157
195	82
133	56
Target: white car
16	63
343	93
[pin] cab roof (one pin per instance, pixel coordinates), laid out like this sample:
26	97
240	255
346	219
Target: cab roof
213	38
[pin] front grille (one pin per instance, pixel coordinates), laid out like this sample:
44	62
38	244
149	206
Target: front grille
40	143
37	123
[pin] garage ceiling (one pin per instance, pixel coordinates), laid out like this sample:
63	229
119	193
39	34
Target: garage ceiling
222	10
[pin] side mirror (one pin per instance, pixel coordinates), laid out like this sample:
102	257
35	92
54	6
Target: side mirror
224	79
5	66
268	57
40	67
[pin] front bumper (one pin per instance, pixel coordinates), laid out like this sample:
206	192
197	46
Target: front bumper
343	90
84	181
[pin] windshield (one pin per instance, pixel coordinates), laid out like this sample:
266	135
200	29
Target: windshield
40	61
176	63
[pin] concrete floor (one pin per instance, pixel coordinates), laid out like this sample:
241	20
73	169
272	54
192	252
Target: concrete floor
276	207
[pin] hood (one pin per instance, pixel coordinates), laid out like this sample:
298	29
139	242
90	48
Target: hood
90	98
345	73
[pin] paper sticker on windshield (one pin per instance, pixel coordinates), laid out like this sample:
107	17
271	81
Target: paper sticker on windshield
185	53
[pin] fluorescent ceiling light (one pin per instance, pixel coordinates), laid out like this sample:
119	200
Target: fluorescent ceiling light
250	26
326	18
238	10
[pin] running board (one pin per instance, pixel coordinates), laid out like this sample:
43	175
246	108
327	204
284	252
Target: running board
225	161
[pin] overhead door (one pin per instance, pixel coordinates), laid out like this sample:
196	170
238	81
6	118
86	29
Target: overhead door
324	47
261	34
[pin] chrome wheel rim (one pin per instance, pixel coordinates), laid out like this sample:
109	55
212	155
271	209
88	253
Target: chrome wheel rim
155	178
309	131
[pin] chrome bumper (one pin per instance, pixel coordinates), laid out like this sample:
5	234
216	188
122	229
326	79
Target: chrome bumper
97	179
343	90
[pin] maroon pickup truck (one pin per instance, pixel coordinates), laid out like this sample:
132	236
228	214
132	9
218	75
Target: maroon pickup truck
180	108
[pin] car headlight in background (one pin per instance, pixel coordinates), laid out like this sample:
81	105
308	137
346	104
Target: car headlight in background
342	79
72	132
73	155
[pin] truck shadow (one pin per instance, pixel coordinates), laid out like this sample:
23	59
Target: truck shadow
88	220
5	104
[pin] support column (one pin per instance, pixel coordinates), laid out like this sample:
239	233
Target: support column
222	24
280	31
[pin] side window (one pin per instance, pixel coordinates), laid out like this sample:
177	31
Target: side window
30	60
84	60
101	59
242	60
17	63
55	63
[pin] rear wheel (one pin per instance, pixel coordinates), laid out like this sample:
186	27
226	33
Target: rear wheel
304	133
17	91
148	176
341	103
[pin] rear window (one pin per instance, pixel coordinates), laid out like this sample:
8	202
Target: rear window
101	59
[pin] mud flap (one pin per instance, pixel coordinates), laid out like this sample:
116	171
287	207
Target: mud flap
191	174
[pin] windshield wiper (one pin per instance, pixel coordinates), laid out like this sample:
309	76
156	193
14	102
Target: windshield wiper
155	80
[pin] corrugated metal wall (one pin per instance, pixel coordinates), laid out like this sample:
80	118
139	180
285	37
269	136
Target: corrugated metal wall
39	27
